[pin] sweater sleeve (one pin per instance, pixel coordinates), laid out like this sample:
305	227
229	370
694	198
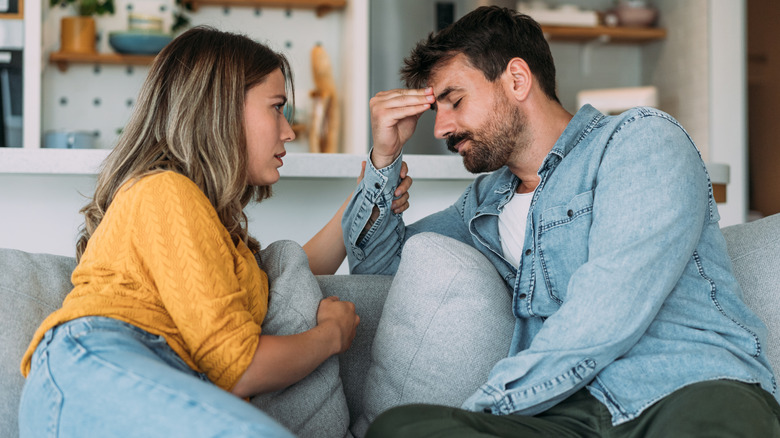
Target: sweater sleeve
197	271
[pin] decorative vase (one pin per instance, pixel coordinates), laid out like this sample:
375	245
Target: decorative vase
77	35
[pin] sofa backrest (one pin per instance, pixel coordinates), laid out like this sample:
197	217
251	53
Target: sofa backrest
31	287
754	249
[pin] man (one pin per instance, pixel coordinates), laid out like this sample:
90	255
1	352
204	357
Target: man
629	319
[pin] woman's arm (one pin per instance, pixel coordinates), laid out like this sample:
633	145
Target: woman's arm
326	249
280	361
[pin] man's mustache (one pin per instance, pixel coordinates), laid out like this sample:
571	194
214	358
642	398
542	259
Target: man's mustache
454	139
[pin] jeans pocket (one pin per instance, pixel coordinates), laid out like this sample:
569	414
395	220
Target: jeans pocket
41	402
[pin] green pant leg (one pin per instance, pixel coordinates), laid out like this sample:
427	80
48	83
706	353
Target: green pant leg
715	409
578	416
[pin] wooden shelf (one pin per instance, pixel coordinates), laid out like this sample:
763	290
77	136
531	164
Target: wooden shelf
321	6
608	34
63	59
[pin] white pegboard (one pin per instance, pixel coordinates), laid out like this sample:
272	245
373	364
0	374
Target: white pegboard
99	98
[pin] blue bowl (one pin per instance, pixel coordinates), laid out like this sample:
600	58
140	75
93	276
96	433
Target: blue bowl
138	43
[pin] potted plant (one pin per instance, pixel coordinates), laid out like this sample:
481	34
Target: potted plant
77	33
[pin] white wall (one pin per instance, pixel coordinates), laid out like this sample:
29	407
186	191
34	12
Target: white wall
728	102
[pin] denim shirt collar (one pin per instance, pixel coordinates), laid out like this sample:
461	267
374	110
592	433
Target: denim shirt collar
578	128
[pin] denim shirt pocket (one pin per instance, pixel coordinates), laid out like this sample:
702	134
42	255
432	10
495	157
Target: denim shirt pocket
563	242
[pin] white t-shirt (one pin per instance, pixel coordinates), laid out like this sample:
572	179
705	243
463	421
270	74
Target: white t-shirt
511	226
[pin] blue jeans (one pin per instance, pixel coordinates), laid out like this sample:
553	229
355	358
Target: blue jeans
98	376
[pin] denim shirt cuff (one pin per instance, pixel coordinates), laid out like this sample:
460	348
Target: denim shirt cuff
381	183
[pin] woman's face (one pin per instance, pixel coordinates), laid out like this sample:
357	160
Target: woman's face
267	130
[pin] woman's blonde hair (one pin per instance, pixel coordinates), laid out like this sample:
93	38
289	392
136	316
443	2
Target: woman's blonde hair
189	118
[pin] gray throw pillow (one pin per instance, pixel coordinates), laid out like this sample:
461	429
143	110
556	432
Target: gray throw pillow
316	406
446	321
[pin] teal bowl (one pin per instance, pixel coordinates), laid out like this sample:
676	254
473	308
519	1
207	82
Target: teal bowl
138	42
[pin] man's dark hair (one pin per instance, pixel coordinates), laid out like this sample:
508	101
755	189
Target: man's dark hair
489	37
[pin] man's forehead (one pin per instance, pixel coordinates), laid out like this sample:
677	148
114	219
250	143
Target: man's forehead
451	74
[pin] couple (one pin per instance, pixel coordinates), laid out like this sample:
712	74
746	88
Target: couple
629	321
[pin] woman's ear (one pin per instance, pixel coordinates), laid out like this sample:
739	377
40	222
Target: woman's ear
518	78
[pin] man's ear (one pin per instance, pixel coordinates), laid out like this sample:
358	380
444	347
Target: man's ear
518	78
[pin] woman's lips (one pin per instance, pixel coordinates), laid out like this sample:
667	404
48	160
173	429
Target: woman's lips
279	157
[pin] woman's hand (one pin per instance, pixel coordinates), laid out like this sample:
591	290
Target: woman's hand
280	361
401	200
340	318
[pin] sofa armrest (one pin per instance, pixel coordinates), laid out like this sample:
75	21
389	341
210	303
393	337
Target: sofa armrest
31	287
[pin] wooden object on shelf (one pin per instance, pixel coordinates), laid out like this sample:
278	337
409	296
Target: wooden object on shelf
19	15
298	128
607	33
322	7
78	34
326	118
62	59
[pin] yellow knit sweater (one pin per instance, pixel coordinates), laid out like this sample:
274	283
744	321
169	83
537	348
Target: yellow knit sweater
162	261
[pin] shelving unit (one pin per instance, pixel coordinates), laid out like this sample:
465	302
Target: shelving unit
553	33
63	59
321	6
604	33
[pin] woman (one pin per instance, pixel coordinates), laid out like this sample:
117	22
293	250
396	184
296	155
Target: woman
165	316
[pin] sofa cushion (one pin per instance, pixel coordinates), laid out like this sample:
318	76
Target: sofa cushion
446	321
316	406
31	287
368	293
754	248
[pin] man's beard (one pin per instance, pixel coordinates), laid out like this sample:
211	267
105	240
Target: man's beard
492	145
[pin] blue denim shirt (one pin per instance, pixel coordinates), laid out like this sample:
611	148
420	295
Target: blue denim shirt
625	286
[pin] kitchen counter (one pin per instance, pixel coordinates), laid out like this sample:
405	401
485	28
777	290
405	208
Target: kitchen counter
298	165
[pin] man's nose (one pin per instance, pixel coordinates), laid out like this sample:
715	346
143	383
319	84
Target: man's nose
444	125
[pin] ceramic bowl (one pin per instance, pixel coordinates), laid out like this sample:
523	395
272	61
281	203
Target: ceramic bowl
144	22
138	42
636	16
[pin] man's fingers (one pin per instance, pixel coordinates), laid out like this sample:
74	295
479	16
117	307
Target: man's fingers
400	99
392	115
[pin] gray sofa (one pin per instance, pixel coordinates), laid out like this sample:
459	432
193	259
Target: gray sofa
401	357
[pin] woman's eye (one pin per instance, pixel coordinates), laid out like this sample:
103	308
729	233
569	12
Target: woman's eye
279	107
455	105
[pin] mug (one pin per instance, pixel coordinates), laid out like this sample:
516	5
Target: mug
69	139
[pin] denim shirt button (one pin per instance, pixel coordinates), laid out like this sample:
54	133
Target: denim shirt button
377	186
570	213
528	251
522	296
